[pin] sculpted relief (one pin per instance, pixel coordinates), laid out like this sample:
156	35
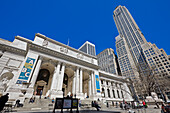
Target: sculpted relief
4	80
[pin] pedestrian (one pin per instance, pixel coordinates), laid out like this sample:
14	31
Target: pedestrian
98	99
31	100
18	104
144	104
71	96
113	103
40	94
121	105
3	100
79	103
135	105
96	106
116	104
35	93
107	104
52	100
92	104
34	99
163	110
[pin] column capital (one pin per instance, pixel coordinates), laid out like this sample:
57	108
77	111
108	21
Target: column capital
63	64
58	63
40	58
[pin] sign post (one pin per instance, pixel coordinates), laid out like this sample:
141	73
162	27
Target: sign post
66	103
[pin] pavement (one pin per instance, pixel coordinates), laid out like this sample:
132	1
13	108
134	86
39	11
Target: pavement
111	110
151	109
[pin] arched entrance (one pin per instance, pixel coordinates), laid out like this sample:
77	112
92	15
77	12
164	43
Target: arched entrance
44	78
65	84
42	81
86	87
68	81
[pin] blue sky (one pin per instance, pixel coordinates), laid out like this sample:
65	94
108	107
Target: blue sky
83	20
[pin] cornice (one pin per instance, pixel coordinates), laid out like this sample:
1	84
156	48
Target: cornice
109	75
61	55
12	49
61	44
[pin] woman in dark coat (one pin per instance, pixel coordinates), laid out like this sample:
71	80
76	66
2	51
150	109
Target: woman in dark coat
3	100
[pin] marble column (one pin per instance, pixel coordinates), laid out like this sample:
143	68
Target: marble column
116	95
90	86
93	83
81	80
74	84
110	88
105	89
55	77
120	91
61	77
35	74
77	80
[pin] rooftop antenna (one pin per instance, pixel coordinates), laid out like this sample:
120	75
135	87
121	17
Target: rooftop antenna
68	42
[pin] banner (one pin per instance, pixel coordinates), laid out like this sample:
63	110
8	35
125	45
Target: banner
97	83
26	70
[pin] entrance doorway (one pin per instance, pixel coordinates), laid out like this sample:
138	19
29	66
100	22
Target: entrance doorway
42	82
65	84
39	88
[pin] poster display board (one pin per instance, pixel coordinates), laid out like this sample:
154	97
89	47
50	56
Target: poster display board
97	83
66	103
26	71
59	103
75	103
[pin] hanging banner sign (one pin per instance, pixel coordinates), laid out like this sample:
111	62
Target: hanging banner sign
97	83
26	70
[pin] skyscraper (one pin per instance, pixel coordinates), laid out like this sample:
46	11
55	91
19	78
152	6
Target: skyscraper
129	30
133	38
88	48
135	55
107	61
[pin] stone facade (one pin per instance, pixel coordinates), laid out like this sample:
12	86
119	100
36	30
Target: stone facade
28	67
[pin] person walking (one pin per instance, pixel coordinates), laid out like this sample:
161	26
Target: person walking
96	106
144	104
40	94
3	100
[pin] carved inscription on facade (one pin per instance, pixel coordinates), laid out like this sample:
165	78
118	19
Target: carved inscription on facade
80	56
64	50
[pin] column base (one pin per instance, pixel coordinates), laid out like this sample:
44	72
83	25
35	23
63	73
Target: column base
18	93
95	96
56	94
79	95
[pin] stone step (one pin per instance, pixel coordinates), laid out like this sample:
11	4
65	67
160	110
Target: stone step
39	104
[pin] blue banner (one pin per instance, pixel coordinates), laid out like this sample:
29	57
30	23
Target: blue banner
26	70
97	83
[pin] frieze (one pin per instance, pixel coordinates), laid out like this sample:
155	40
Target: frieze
80	56
64	50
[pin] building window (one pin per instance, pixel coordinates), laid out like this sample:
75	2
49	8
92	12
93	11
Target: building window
122	94
113	93
118	94
101	81
108	91
107	82
103	91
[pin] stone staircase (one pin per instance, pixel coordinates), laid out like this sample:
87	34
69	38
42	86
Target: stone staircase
46	105
39	104
86	104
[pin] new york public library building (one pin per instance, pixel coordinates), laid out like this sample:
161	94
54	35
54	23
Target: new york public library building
57	69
